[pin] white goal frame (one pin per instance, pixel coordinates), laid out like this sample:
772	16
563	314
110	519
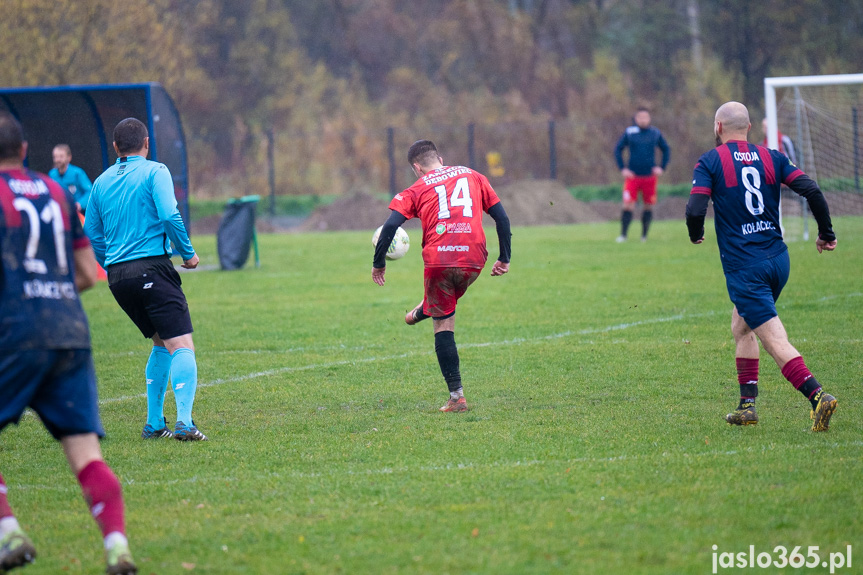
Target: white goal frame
770	111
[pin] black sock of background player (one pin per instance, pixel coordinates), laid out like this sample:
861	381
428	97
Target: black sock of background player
625	220
447	358
646	218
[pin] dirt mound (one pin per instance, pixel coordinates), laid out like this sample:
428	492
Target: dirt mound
528	203
543	202
357	211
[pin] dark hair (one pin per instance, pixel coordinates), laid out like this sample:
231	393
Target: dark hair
64	147
421	152
642	109
11	137
129	135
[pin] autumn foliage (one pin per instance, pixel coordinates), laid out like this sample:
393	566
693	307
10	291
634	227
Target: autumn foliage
328	77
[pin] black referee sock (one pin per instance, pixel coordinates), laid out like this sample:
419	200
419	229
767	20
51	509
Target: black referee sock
625	220
447	358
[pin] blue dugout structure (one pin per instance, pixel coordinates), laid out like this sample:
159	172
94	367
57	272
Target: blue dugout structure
84	117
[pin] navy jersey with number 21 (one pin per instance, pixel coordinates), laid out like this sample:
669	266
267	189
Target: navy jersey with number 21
39	230
744	181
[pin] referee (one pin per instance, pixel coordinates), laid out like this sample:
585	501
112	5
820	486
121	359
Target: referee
131	220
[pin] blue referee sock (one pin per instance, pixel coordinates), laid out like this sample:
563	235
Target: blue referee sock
184	378
157	371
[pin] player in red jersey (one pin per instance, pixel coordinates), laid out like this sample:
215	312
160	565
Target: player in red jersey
449	201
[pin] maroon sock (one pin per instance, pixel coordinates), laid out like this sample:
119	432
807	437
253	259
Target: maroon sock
747	377
104	496
5	510
800	377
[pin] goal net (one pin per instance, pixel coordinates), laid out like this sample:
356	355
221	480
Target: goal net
817	121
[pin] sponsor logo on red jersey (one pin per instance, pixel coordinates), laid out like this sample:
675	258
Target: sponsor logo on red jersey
458	228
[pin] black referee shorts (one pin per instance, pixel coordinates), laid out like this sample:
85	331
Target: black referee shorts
148	290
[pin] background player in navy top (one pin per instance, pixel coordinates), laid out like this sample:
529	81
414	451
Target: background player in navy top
744	181
641	172
45	360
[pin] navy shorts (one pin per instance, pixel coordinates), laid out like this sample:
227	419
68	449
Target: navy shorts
58	384
755	289
148	290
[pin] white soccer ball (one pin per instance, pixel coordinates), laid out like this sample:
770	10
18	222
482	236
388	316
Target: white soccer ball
400	245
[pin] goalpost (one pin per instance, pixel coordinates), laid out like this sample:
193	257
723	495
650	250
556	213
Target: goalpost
821	117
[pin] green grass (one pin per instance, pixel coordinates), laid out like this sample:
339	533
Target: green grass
611	192
598	375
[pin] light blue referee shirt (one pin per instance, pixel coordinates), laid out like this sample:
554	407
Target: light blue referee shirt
76	181
133	213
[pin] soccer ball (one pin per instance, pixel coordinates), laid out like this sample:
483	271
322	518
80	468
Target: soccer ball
400	245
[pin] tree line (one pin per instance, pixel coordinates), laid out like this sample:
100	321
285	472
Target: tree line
328	77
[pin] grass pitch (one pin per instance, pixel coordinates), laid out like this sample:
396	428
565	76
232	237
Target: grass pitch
598	377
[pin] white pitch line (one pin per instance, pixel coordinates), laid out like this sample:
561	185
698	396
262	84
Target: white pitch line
515	341
456	466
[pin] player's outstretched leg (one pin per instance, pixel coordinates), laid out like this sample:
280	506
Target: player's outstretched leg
184	378
157	372
16	549
416	315
447	356
747	377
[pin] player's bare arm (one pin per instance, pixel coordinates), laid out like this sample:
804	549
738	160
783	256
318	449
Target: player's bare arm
85	268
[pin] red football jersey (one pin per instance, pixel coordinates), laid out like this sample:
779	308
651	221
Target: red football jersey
449	201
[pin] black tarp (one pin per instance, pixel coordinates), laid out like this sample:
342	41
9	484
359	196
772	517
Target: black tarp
236	231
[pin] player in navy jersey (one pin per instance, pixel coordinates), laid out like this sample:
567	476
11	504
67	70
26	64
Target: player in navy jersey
449	201
45	360
743	180
640	174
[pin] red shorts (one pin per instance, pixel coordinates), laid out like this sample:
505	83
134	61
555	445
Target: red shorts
644	184
443	288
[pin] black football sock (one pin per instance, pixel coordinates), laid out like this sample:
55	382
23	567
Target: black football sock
447	358
625	220
646	218
419	315
816	397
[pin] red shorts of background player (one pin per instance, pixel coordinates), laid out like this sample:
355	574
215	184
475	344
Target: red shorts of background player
646	185
443	288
